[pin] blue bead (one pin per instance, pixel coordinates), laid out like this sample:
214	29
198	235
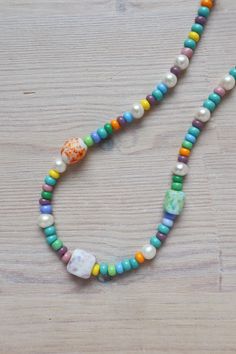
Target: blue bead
203	11
209	105
169	216
190	138
190	43
96	138
215	98
126	265
50	230
167	222
232	72
51	239
51	181
102	133
194	131
163	229
119	268
103	268
155	242
163	88
157	94
46	209
128	117
134	263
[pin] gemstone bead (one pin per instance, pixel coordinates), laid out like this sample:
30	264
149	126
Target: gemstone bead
81	263
73	150
174	201
232	72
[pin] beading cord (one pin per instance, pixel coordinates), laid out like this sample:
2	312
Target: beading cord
82	263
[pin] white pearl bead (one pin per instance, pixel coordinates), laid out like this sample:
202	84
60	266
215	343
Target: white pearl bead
137	110
59	165
182	61
45	220
180	169
203	114
170	80
228	82
148	251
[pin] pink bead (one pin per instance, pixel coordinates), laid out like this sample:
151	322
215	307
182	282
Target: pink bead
220	91
187	51
47	188
66	257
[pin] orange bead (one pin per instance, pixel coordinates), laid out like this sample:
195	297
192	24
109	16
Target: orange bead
184	152
115	125
207	3
139	257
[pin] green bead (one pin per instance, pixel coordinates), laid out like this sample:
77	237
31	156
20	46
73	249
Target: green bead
103	268
178	179
56	245
88	140
177	186
186	144
194	131
233	72
155	242
108	128
174	202
46	195
196	27
126	265
111	270
134	263
190	43
215	98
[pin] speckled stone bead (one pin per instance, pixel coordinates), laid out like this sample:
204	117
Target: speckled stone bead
198	124
151	100
201	20
174	202
73	150
81	263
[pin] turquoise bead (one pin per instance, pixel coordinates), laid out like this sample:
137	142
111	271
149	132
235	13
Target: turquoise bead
51	181
215	98
51	230
233	72
203	11
155	242
190	43
103	268
191	138
196	27
126	265
194	131
119	268
102	133
209	105
134	263
157	94
51	239
163	229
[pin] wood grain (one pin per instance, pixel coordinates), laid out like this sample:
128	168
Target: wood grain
67	67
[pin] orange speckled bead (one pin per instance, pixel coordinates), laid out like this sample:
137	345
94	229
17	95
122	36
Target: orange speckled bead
115	125
184	152
139	257
207	3
73	150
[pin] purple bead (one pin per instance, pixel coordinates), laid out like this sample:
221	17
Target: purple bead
176	71
62	251
201	20
47	188
161	237
183	159
187	51
169	216
151	100
121	121
44	201
46	209
96	138
220	91
198	124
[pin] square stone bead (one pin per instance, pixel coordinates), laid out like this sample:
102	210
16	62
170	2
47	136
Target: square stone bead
174	202
81	264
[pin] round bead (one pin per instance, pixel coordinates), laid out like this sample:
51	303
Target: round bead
73	150
163	229
50	180
180	169
194	131
170	80
59	165
115	125
190	138
197	124
207	3
51	230
228	82
108	128
62	251
201	20
47	188
187	51
194	35
167	222
184	152
121	121
128	117
220	91
126	265
161	237
151	100
183	159
96	270
44	201
232	72
103	268
163	88
45	220
146	105
137	110
96	138
149	251
215	98
186	144
209	105
203	114
66	257
169	216
176	71
139	257
155	242
111	270
88	140
102	133
54	174
46	209
46	195
51	239
178	179
177	186
190	43
203	11
119	268
134	263
157	94
196	27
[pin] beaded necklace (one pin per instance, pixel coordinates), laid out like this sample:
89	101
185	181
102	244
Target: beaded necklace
82	263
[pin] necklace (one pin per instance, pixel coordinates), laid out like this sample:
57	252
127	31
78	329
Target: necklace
82	263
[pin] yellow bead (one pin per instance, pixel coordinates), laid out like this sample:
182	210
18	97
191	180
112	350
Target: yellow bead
145	104
194	35
96	269
54	174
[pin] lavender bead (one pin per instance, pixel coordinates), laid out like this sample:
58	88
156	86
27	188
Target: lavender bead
201	20
44	201
161	237
62	251
183	159
151	100
198	124
187	51
121	121
176	71
220	91
47	188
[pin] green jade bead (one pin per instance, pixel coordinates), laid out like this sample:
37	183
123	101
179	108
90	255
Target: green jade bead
174	202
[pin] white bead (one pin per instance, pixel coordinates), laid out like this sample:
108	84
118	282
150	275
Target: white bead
203	114
45	220
182	61
170	80
59	165
180	169
81	263
228	82
148	251
137	110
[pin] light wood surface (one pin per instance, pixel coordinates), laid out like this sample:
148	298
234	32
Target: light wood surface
66	68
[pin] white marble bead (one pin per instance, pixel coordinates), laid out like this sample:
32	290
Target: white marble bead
81	263
182	61
228	82
59	165
203	114
137	110
148	251
45	220
180	169
170	80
